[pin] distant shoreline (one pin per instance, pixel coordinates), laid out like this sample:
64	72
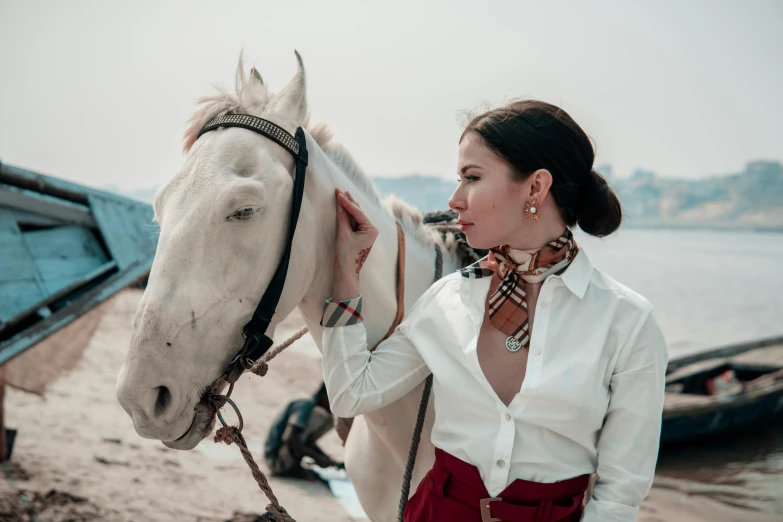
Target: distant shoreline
145	196
696	225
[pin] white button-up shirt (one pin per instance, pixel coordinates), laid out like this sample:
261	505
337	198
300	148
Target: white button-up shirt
591	399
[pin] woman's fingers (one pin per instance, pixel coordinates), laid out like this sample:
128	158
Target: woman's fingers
350	197
355	233
343	218
353	209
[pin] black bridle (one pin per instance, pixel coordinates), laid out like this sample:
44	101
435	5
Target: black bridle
257	343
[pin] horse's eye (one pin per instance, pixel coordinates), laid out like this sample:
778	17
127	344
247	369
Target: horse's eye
242	214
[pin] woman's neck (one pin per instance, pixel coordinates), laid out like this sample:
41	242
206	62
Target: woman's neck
537	235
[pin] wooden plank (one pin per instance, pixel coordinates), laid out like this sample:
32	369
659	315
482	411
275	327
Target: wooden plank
685	400
64	255
725	351
28	201
88	278
24	218
768	357
771	356
43	184
18	297
66	241
693	369
765	381
127	229
16	262
20	283
3	441
80	305
676	405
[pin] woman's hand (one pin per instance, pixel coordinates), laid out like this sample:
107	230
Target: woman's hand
355	237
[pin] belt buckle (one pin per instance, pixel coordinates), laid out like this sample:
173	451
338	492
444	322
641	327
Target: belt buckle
484	507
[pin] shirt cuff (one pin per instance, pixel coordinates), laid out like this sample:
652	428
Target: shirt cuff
342	313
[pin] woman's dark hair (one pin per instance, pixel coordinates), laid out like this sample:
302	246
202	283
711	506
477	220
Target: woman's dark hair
531	135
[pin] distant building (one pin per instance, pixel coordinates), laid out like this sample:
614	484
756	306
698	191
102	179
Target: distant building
759	188
641	175
761	169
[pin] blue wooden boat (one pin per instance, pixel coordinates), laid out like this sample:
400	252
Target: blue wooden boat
64	249
691	412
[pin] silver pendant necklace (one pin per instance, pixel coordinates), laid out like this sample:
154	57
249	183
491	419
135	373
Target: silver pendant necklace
513	344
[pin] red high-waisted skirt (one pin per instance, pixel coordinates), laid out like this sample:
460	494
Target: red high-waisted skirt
453	491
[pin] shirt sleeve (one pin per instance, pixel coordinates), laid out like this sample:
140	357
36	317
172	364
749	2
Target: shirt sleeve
360	381
630	436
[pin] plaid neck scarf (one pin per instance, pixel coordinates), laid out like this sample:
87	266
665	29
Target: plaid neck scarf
508	304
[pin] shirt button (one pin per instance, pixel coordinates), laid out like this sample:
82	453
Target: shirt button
508	416
501	463
536	351
545	304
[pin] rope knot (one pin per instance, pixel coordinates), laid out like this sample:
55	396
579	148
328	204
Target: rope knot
260	369
226	434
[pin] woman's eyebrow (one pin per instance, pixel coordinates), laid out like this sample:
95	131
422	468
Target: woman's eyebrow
466	167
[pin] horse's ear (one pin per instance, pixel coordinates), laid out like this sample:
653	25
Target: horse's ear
257	84
256	76
292	99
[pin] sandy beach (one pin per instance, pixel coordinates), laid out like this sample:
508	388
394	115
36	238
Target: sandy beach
78	458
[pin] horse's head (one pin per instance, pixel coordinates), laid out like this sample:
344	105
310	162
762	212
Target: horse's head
223	227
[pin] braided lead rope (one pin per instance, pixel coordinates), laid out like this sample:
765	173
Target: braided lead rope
229	435
406	480
260	367
233	435
438	263
425	399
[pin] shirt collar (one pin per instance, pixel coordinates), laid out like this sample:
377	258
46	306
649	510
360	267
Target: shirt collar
576	277
578	274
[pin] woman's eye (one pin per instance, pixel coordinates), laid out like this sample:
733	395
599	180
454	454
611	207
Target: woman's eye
242	214
469	178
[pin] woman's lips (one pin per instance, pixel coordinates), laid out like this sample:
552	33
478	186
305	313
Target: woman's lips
464	226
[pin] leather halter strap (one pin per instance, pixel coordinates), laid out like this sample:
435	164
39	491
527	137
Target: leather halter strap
256	341
400	286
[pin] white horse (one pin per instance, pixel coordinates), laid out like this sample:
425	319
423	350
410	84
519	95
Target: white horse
223	224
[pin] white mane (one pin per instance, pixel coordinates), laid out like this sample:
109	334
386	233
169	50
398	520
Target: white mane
251	96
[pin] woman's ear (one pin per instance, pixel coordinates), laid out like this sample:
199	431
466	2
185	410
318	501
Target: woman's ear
540	183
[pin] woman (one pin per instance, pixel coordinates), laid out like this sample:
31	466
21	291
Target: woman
545	369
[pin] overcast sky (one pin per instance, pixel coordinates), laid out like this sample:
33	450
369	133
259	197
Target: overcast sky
99	92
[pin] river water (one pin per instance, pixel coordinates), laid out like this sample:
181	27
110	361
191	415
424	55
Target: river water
709	289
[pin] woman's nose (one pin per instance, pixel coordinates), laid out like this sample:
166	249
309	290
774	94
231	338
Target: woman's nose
456	202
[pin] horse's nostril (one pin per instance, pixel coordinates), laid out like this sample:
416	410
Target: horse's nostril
163	400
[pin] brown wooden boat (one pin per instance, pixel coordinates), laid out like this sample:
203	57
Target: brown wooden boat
693	410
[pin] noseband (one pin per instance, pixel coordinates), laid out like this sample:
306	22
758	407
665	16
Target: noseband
257	343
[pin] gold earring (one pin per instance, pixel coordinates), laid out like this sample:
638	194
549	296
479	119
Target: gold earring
533	209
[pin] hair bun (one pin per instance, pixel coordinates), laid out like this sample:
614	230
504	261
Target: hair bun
600	212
